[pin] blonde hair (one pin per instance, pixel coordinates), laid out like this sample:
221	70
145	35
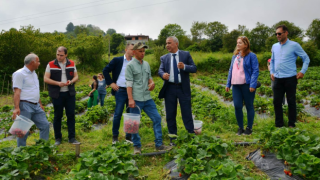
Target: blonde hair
101	75
245	52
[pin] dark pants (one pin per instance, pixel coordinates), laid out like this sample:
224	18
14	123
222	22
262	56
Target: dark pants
242	93
101	99
174	92
121	100
68	102
285	86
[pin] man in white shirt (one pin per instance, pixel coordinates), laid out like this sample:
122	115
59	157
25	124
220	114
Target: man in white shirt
119	89
25	84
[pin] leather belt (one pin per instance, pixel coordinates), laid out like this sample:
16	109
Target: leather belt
176	84
122	88
28	102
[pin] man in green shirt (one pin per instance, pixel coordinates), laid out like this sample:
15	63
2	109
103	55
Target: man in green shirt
139	84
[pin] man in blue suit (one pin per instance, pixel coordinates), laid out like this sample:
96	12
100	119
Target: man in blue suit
118	84
174	70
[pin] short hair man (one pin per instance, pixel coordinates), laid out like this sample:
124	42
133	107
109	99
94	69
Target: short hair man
119	88
25	84
283	71
139	84
174	69
60	75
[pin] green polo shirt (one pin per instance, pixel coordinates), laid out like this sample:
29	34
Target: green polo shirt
137	77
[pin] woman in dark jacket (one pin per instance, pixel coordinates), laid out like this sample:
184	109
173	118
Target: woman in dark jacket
243	76
93	100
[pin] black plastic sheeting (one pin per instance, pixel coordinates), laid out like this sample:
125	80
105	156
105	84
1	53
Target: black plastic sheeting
272	166
171	168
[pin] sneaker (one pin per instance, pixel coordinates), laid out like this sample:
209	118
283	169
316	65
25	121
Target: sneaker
172	144
74	141
115	139
58	142
128	139
248	131
240	132
163	148
137	150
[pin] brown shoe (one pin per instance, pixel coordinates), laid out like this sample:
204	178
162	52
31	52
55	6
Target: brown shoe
163	148
137	150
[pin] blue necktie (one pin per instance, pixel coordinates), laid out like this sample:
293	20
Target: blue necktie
175	69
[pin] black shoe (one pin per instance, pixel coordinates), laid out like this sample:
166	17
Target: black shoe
74	141
115	139
128	139
58	142
240	132
248	131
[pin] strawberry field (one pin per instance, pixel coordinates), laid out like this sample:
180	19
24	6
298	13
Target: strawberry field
215	154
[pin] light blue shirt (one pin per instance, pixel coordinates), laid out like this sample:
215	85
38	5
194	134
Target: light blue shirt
121	82
284	57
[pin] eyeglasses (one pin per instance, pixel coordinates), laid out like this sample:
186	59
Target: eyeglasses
278	34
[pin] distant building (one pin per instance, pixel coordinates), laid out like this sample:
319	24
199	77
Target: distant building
136	38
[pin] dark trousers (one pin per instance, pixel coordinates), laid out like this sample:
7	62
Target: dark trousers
69	103
285	86
242	93
174	92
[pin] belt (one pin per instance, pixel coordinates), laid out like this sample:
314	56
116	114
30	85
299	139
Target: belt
122	88
177	84
28	102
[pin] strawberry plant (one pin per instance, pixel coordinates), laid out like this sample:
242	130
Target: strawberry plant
115	162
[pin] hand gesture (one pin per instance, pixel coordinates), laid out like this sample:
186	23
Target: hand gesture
180	65
114	86
15	113
166	76
132	103
227	89
300	75
272	77
151	86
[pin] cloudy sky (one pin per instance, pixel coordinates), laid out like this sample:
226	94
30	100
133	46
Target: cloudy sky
148	17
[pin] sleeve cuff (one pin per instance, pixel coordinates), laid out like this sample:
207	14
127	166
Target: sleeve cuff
129	83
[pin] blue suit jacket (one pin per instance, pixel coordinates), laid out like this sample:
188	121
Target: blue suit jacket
115	67
190	67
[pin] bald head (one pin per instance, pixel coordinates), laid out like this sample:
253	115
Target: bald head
63	49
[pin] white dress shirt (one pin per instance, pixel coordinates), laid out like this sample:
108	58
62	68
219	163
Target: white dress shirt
28	82
171	77
121	82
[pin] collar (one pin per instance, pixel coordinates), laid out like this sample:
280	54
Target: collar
176	53
56	62
137	61
285	42
27	69
125	59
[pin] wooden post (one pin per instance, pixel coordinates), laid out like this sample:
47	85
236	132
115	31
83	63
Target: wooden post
3	82
77	149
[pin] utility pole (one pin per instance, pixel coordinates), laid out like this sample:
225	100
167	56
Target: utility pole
109	50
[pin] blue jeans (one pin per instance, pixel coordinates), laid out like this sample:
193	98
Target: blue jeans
38	116
149	107
101	99
121	100
242	93
69	103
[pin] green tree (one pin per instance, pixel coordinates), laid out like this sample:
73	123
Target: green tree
215	31
170	30
243	30
258	37
230	40
294	31
81	29
70	27
197	30
311	49
313	31
116	41
111	31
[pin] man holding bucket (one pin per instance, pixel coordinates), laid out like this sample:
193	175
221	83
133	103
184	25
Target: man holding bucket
25	84
139	84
